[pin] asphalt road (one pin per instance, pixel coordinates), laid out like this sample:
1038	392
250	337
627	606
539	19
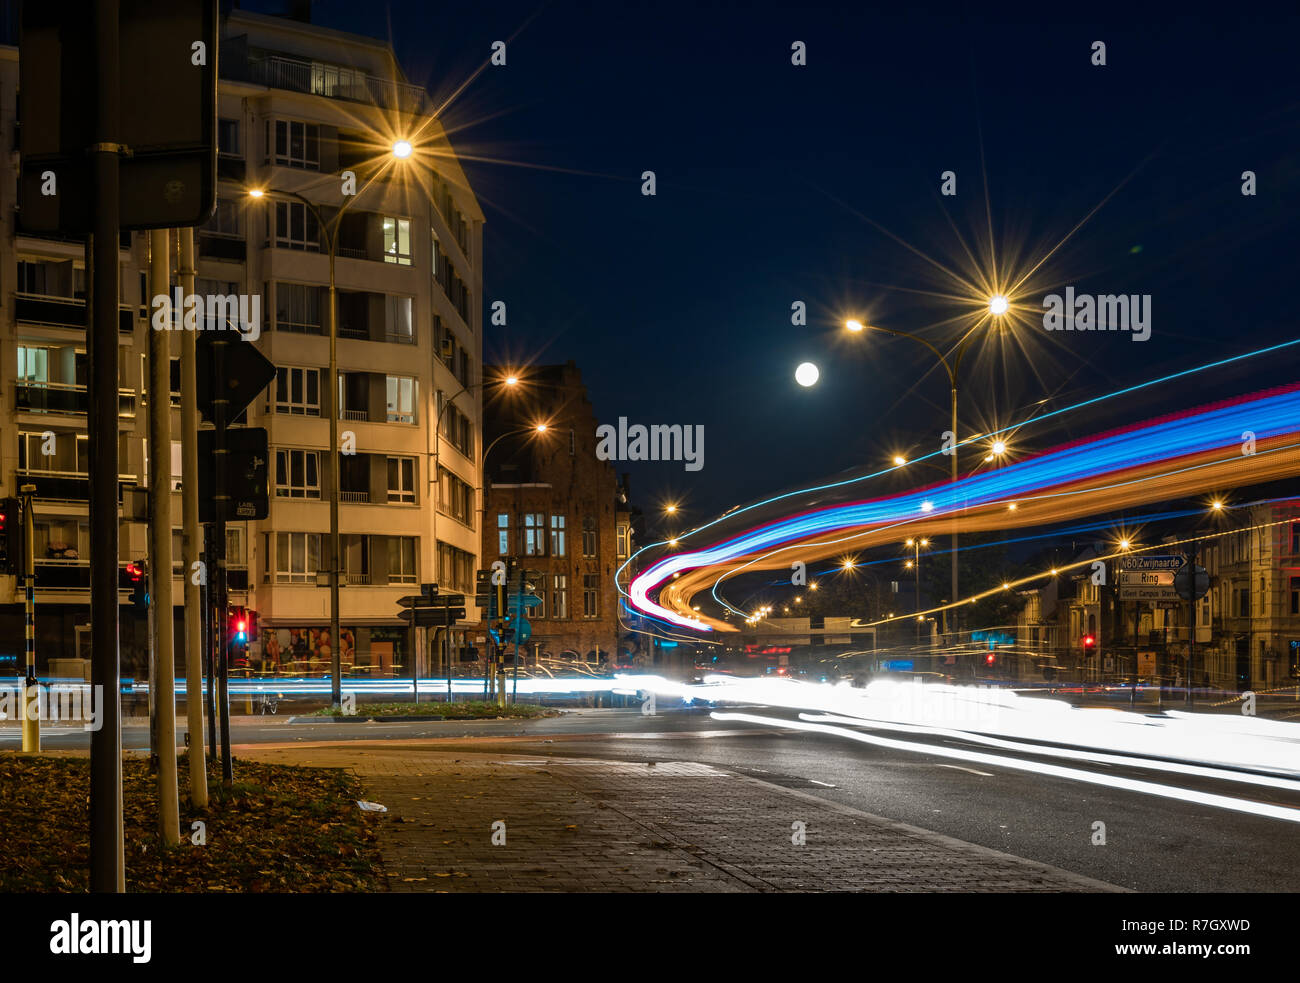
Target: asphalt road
1151	843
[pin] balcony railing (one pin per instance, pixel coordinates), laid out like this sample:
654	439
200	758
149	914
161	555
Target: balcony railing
358	579
59	397
64	312
400	337
331	81
222	245
64	486
354	497
360	416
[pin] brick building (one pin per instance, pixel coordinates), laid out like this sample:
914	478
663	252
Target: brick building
557	509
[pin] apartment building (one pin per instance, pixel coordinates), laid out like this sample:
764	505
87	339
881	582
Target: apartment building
306	116
551	504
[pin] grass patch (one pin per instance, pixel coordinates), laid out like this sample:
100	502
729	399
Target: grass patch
468	710
279	828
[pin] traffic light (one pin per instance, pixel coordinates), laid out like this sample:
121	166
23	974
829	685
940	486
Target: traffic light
239	626
990	659
1089	642
11	536
137	574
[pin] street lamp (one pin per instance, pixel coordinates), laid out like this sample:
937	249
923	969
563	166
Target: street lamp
331	232
915	566
998	305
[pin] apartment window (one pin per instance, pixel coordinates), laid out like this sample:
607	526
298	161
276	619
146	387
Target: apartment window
622	541
297	144
456	497
456	426
297	391
399	325
588	537
1243	602
1295	537
558	544
401	560
31	278
228	138
397	241
33	364
235	556
70	453
590	595
1295	595
560	596
455	568
401	399
401	479
225	221
298	308
296	226
534	534
297	474
503	533
297	557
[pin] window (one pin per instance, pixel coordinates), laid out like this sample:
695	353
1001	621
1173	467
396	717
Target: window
456	498
298	308
338	82
401	399
503	533
623	545
33	364
588	537
560	595
297	557
1295	537
534	534
398	324
1295	595
401	479
590	595
296	226
297	391
31	278
1243	602
176	466
297	474
397	241
224	222
296	144
401	560
456	427
69	453
455	568
557	536
228	138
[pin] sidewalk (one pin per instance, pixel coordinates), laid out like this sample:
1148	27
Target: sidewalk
582	825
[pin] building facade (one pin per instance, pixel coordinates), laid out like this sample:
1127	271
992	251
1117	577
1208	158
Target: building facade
555	508
308	117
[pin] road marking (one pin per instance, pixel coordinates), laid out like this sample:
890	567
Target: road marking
824	784
986	774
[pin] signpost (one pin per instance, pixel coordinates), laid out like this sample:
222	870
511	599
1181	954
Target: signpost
430	609
1191	583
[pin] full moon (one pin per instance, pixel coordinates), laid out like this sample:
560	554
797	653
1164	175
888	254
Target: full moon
807	374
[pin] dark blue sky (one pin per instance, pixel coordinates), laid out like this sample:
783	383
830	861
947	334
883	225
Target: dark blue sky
677	307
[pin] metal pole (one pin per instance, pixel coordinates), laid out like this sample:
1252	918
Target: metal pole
519	618
31	688
336	654
190	543
221	504
446	647
107	865
209	644
1191	621
162	642
953	600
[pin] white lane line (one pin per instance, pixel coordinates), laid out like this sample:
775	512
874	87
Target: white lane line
985	774
824	784
1265	809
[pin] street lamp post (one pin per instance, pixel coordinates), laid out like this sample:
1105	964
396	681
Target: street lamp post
331	233
915	564
997	307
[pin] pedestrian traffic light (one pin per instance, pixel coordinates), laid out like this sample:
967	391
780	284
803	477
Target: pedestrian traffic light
137	574
1089	642
990	659
240	626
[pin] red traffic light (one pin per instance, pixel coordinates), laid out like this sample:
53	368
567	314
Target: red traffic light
135	572
1088	641
241	625
990	659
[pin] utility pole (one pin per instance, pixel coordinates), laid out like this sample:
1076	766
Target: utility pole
107	864
162	643
31	688
190	541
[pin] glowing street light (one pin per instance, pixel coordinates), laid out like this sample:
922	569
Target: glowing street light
402	149
807	374
998	305
853	324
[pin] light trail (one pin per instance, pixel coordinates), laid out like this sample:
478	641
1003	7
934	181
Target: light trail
1169	457
1265	809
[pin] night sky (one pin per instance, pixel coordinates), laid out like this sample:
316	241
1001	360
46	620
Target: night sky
776	183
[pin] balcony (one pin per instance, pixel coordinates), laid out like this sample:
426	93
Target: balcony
65	486
354	497
59	397
64	312
222	246
316	78
230	167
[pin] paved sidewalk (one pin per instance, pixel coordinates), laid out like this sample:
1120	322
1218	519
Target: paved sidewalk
582	825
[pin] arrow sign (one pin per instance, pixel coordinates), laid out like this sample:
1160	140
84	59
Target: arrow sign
524	601
431	617
411	601
247	372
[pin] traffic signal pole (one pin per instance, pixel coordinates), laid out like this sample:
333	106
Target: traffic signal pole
107	865
190	542
31	688
162	641
221	503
